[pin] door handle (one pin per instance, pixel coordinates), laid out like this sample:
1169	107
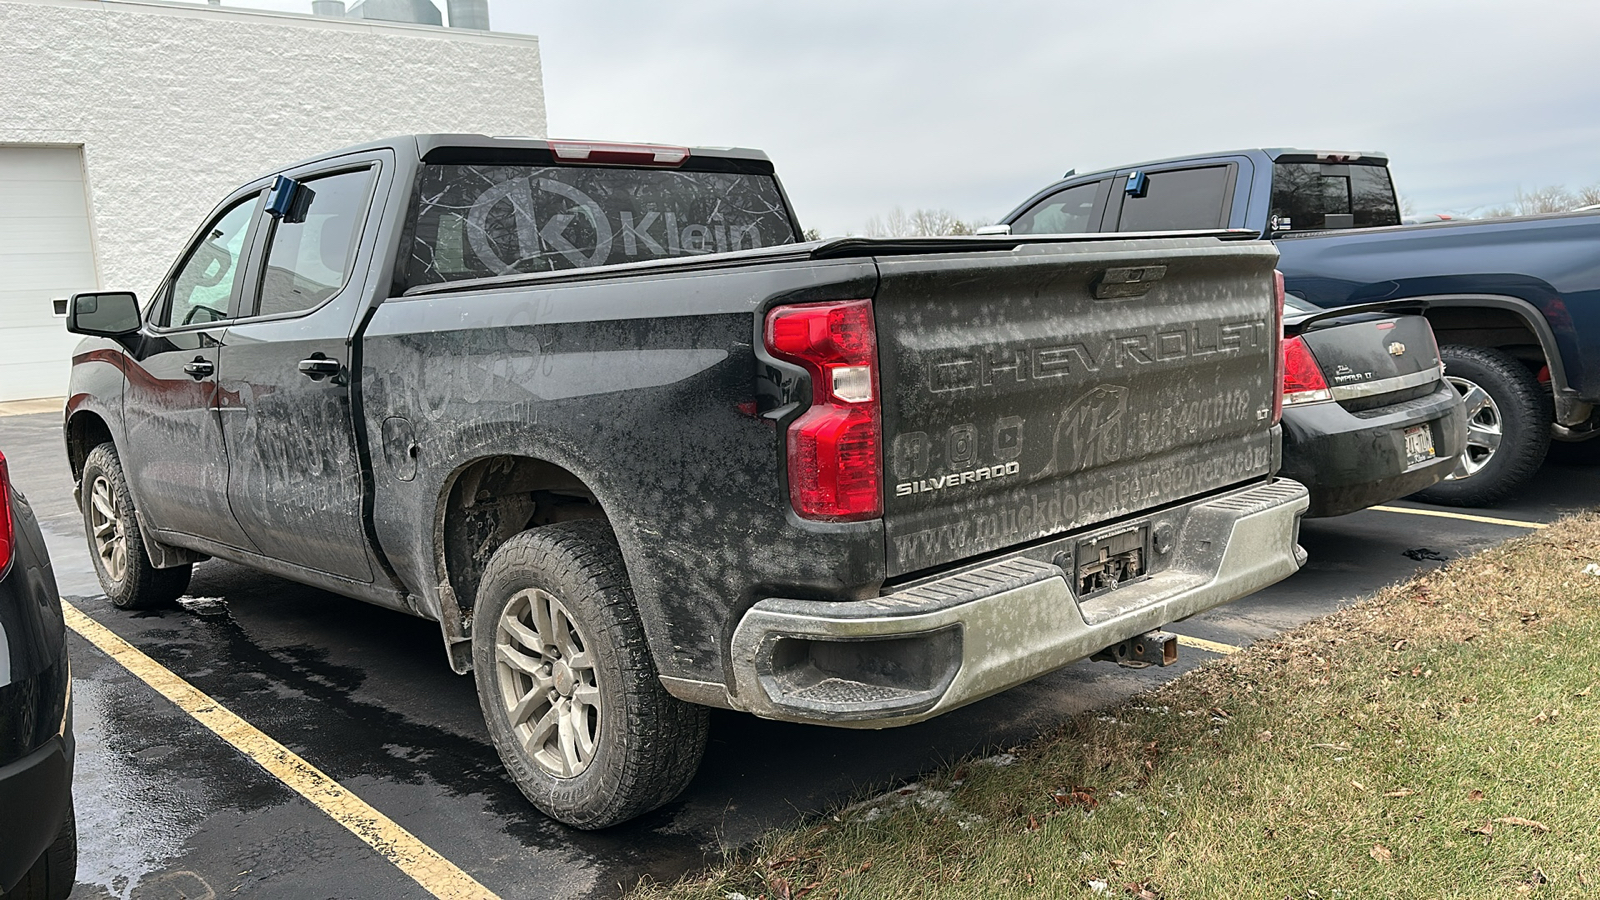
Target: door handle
200	368
319	367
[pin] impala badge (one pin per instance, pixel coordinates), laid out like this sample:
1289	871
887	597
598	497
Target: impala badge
1397	349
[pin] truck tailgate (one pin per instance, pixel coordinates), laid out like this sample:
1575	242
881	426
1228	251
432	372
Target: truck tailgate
1057	386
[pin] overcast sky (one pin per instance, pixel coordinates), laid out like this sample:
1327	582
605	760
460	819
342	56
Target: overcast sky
972	107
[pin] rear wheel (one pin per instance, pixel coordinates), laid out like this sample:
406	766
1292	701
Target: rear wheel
1508	426
567	684
126	574
52	877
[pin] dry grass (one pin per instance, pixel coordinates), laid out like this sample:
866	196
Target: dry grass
1437	740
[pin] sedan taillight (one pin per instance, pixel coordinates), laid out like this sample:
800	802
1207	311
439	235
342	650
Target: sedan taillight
6	534
835	449
1302	377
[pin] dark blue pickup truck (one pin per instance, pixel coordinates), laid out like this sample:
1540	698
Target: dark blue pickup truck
1515	303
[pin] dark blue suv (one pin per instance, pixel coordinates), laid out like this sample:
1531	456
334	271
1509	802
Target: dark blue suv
38	836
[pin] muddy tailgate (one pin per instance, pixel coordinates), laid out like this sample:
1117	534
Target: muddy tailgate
1058	386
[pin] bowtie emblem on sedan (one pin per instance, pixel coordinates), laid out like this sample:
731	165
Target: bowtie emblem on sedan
1397	349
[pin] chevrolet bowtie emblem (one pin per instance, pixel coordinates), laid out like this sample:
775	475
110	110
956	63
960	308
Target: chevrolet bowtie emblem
1397	349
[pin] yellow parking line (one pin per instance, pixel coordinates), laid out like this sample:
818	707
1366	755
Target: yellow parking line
437	875
1441	514
1200	644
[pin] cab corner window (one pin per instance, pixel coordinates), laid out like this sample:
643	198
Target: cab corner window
202	290
1071	211
1179	200
311	255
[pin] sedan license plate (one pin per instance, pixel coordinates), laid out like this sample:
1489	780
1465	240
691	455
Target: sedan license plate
1419	444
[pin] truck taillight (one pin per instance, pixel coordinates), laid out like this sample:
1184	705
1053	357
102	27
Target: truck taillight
835	449
1277	332
6	538
1302	377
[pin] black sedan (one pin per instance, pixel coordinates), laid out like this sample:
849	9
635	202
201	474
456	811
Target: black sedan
1367	414
38	836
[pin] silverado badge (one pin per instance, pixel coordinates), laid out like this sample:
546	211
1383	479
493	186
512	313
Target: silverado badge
1397	349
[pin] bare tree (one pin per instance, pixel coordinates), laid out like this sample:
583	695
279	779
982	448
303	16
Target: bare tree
919	223
1550	199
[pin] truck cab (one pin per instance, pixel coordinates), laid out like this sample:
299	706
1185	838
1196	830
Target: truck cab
1275	192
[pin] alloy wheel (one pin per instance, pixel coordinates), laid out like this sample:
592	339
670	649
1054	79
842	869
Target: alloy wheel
105	524
548	683
1484	426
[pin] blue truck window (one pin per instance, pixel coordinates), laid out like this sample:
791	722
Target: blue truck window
1313	196
1178	200
1065	212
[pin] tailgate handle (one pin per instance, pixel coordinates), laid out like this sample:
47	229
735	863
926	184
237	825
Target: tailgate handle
1131	281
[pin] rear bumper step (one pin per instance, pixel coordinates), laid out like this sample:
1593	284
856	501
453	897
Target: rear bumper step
929	648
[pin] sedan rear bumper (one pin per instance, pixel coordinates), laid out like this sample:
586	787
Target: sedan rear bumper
945	642
35	792
1351	461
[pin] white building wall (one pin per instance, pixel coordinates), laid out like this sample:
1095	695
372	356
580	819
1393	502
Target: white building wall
176	104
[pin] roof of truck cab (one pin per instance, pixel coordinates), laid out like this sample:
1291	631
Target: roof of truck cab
425	146
1273	154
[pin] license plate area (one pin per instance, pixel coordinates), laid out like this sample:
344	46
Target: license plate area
1419	444
1103	564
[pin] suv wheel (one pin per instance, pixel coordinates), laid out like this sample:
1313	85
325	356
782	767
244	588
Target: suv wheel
567	684
126	574
1508	426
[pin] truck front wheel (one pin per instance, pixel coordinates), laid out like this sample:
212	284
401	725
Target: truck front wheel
1508	426
567	684
126	574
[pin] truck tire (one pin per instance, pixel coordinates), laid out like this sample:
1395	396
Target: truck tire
52	877
567	684
1508	427
126	574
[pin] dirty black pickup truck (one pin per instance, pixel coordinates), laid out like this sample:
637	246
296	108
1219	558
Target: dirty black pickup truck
596	411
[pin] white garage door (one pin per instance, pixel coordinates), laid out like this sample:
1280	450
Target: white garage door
45	252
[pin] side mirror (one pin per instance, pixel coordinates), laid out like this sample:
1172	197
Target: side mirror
109	314
994	229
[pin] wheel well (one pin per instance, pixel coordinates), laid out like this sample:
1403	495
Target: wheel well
1478	326
494	498
85	431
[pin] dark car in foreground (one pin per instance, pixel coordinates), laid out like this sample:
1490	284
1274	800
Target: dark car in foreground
38	836
1368	415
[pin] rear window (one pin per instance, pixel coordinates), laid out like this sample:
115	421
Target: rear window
1313	196
475	221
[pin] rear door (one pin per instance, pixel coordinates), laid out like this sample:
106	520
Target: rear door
295	477
1190	198
1031	393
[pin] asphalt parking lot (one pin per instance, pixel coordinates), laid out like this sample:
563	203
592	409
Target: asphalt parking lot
167	809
